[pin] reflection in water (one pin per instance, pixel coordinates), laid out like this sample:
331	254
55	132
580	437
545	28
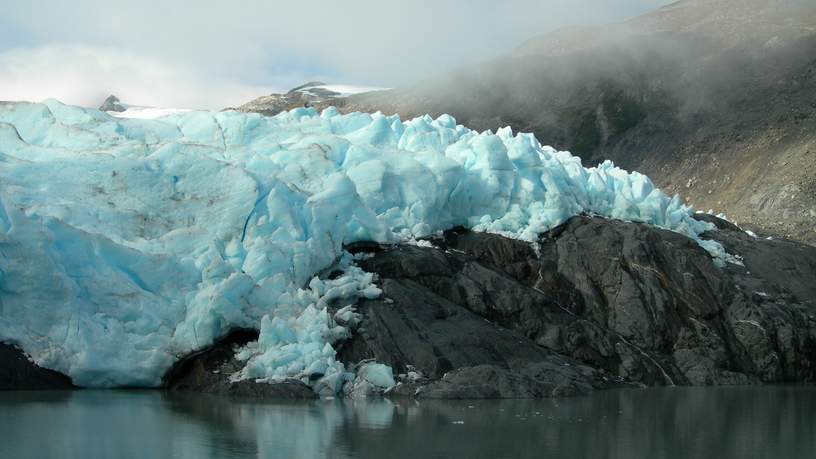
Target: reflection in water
735	422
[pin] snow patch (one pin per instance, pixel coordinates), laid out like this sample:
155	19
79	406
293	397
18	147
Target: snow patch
420	243
343	90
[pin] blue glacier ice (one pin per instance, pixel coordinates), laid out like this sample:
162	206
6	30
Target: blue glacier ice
128	243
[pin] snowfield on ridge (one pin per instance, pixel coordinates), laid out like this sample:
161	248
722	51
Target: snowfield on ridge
126	244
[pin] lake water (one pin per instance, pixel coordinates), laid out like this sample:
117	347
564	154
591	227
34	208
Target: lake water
734	422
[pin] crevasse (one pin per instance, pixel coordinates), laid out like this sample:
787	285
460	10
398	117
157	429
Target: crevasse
128	243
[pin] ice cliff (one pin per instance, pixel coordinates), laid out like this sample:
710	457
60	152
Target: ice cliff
126	244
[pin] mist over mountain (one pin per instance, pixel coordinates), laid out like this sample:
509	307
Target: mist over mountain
714	100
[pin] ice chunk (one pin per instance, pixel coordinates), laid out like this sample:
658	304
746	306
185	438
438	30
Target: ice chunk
297	341
377	374
372	379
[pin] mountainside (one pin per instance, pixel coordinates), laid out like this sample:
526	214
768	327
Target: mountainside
715	100
305	95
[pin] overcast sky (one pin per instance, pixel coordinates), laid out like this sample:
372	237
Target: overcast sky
211	54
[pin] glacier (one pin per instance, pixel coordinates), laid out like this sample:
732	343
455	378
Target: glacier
126	244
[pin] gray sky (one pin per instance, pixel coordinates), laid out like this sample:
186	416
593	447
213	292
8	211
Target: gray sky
211	54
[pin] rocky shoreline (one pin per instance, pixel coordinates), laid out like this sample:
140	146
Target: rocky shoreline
596	303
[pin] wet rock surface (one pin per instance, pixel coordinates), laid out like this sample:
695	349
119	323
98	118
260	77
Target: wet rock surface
596	302
17	372
414	328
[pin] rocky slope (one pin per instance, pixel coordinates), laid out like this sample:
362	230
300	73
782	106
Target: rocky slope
641	304
711	99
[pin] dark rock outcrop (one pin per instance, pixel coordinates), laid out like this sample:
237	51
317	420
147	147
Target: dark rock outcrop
208	371
487	316
17	372
111	104
413	327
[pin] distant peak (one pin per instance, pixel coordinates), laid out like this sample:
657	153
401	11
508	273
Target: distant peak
112	104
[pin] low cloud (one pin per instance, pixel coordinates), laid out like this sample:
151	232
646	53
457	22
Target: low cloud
85	75
211	53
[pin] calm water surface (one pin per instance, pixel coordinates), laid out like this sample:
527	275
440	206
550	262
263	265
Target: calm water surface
735	422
